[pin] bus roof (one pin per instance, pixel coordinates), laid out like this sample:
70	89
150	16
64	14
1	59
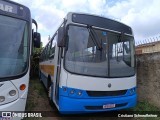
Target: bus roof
98	21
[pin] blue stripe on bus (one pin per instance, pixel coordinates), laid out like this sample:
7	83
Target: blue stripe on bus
85	95
75	104
69	105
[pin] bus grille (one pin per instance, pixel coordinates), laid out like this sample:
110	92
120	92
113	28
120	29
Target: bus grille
101	107
106	93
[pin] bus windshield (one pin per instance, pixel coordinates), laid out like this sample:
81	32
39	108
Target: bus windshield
115	59
13	46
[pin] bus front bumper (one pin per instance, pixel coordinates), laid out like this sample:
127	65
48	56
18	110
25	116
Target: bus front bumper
68	105
17	105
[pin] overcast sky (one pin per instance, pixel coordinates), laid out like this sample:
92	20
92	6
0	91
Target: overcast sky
142	15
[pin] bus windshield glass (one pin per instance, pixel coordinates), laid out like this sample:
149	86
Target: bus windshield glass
13	46
114	59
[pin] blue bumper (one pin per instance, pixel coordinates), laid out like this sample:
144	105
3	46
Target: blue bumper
69	105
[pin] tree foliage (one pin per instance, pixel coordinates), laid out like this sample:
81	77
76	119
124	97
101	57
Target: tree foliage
35	61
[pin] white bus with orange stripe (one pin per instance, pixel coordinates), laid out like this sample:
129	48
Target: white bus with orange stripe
16	36
89	65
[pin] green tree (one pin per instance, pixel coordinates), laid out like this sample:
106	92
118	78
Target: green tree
35	61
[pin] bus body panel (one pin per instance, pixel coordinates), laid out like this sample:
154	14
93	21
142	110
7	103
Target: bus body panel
5	88
100	84
84	103
63	77
73	105
21	95
20	81
45	71
48	68
18	104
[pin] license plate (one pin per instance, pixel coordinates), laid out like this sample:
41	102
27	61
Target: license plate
109	106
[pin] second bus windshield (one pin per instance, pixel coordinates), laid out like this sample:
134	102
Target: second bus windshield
83	56
13	47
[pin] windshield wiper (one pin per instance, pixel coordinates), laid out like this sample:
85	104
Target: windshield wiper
94	37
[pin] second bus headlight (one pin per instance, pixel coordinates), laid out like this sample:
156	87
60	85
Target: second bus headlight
2	99
12	92
132	91
79	93
72	92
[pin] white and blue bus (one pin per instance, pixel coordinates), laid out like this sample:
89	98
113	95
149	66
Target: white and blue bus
16	38
89	65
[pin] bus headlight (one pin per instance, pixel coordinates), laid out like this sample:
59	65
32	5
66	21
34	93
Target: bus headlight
2	99
72	92
79	93
132	91
12	93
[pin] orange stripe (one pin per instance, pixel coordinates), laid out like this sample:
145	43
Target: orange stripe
48	69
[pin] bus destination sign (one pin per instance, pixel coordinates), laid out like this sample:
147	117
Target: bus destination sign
8	7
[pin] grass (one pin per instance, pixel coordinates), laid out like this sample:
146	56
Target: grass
36	92
145	106
36	96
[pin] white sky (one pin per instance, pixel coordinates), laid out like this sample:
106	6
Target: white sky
142	15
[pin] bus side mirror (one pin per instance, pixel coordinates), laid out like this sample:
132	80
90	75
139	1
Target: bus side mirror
60	41
37	39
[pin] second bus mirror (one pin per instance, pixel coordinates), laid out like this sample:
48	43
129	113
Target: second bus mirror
37	39
61	42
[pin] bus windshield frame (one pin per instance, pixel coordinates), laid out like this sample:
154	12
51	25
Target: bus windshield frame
94	67
15	48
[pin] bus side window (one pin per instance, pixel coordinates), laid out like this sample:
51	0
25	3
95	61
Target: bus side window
42	57
48	50
45	53
52	50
